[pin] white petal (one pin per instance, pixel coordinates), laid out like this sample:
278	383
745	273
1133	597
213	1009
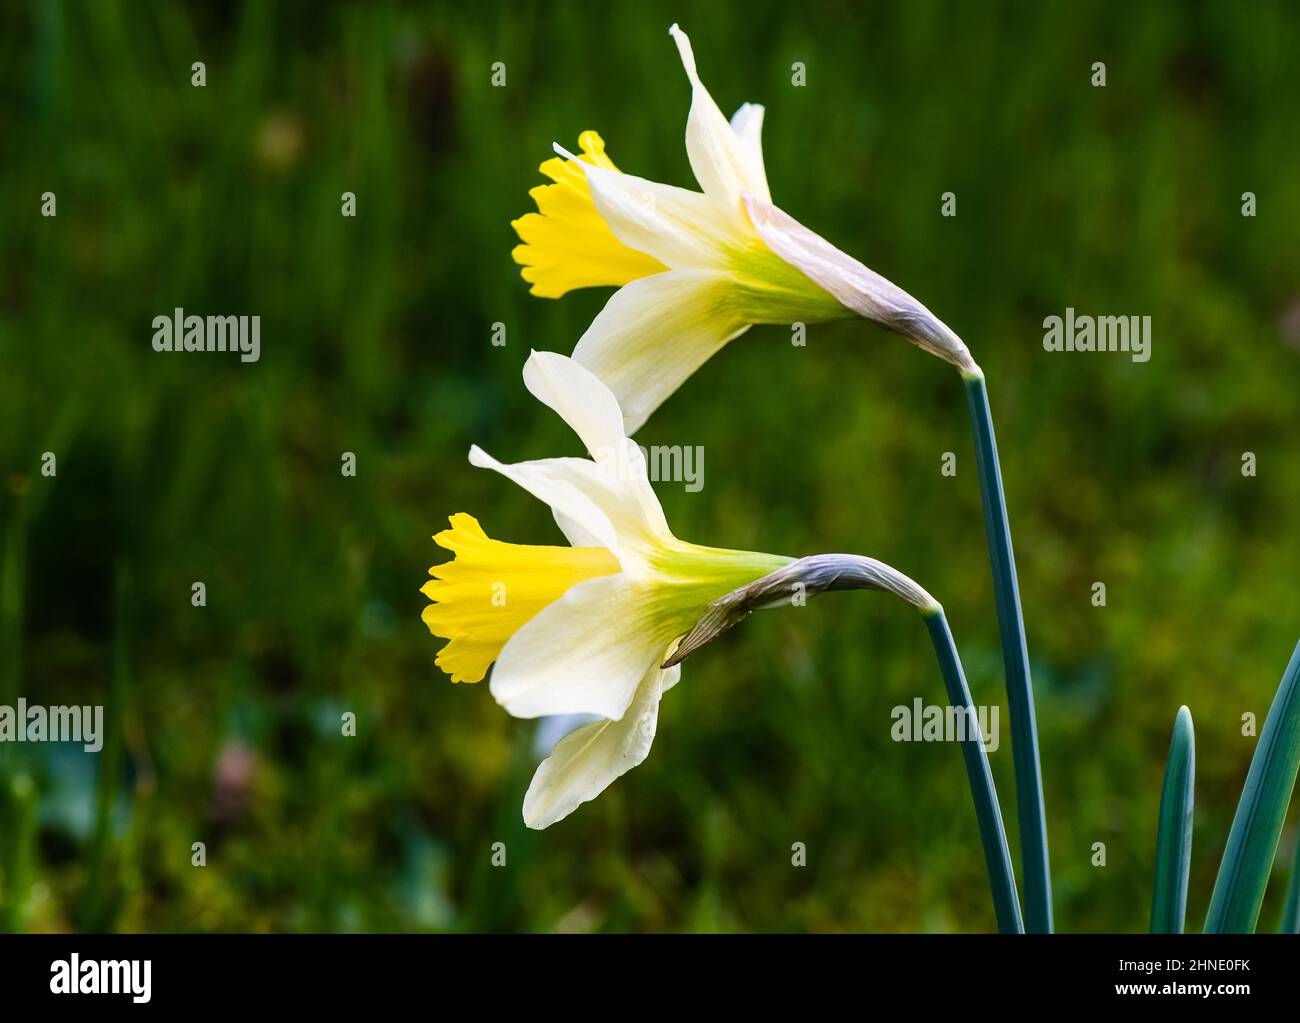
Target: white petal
680	228
551	729
582	401
620	488
610	504
747	123
854	285
548	480
654	333
590	408
583	764
574	533
607	502
724	166
584	653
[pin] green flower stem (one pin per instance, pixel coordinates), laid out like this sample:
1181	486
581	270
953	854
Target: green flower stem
1174	835
1015	657
997	854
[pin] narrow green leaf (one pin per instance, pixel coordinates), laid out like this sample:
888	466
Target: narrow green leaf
1174	836
1290	921
1252	842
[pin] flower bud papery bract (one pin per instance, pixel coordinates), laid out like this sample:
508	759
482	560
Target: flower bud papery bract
858	287
820	573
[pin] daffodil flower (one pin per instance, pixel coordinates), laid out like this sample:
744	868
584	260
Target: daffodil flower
583	629
601	626
695	269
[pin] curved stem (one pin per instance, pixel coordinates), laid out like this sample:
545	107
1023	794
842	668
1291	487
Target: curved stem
822	573
997	854
1015	658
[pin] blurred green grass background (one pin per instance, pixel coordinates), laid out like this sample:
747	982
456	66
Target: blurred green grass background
376	340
